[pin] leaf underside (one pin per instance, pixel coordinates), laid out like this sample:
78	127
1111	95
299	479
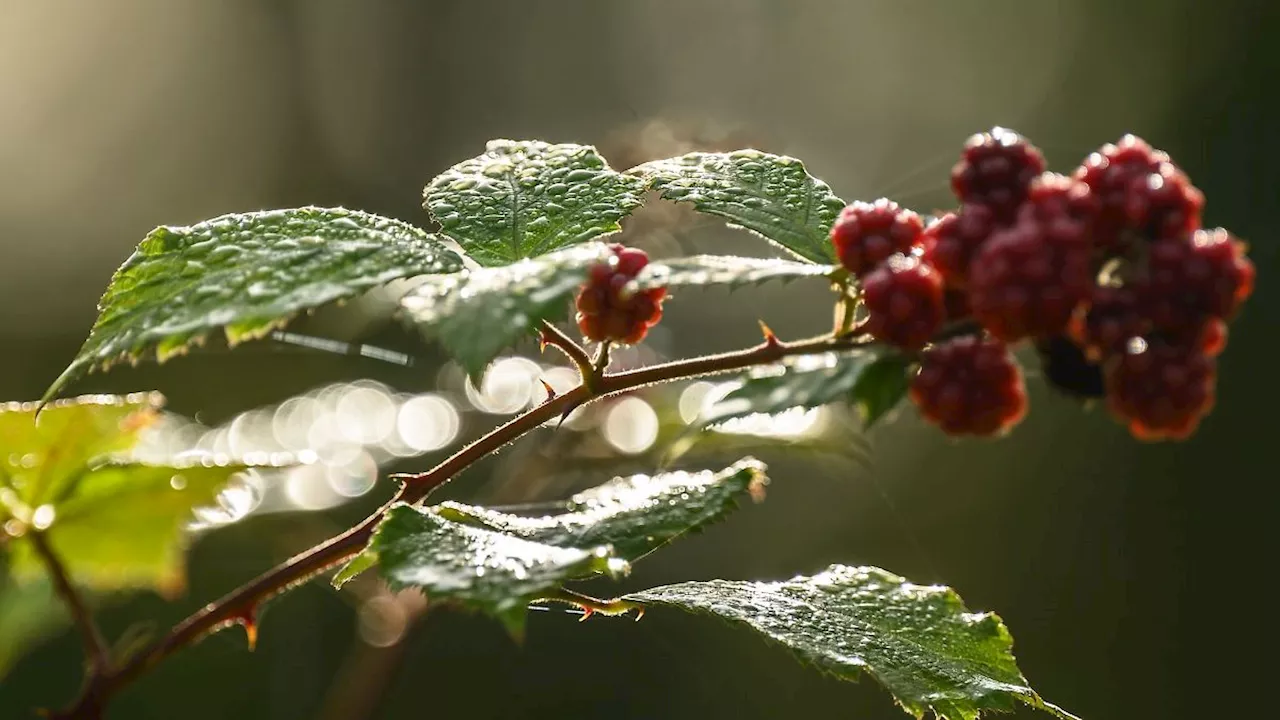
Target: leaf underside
521	199
478	569
476	314
246	274
920	642
724	270
771	195
871	381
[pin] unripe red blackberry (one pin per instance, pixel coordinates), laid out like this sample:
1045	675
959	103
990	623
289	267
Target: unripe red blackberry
606	311
1161	391
1114	317
866	234
1141	193
952	241
969	386
996	170
1197	276
903	298
1028	278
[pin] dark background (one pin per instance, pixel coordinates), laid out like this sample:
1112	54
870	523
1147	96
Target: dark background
1134	577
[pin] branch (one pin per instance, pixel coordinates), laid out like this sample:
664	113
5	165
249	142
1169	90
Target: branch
549	334
95	648
241	605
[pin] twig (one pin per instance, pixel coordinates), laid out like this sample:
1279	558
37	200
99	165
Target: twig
241	605
549	334
95	648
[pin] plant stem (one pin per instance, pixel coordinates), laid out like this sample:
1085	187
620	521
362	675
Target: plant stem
549	334
95	648
241	605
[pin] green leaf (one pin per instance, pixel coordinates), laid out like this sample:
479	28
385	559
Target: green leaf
476	314
524	199
114	524
248	274
478	569
29	614
771	195
353	567
635	515
124	525
812	381
880	387
699	270
40	460
920	642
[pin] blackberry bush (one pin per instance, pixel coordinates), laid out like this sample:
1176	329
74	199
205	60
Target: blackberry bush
1106	273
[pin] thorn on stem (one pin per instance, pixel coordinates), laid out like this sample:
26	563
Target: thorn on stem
586	613
770	339
551	392
248	619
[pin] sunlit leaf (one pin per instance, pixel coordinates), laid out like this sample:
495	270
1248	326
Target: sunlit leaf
124	525
524	199
880	387
635	514
726	270
771	195
113	523
246	274
479	569
476	314
39	460
919	642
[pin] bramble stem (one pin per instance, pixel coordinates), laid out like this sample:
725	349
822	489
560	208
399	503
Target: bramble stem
241	604
95	648
549	334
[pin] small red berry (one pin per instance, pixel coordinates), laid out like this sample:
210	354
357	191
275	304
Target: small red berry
952	241
606	311
969	386
1161	391
1141	193
1197	276
904	302
1113	318
996	170
866	234
1028	279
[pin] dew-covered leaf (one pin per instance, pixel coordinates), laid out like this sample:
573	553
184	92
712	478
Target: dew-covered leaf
919	641
635	514
479	569
521	199
477	313
863	377
246	274
771	195
727	270
114	523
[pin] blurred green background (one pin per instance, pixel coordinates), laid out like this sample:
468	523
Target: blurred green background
1132	576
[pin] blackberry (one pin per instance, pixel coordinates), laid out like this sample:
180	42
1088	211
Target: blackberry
996	170
951	242
969	386
1161	391
866	234
904	303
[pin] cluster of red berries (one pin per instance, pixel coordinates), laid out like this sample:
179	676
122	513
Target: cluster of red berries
607	310
1108	271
